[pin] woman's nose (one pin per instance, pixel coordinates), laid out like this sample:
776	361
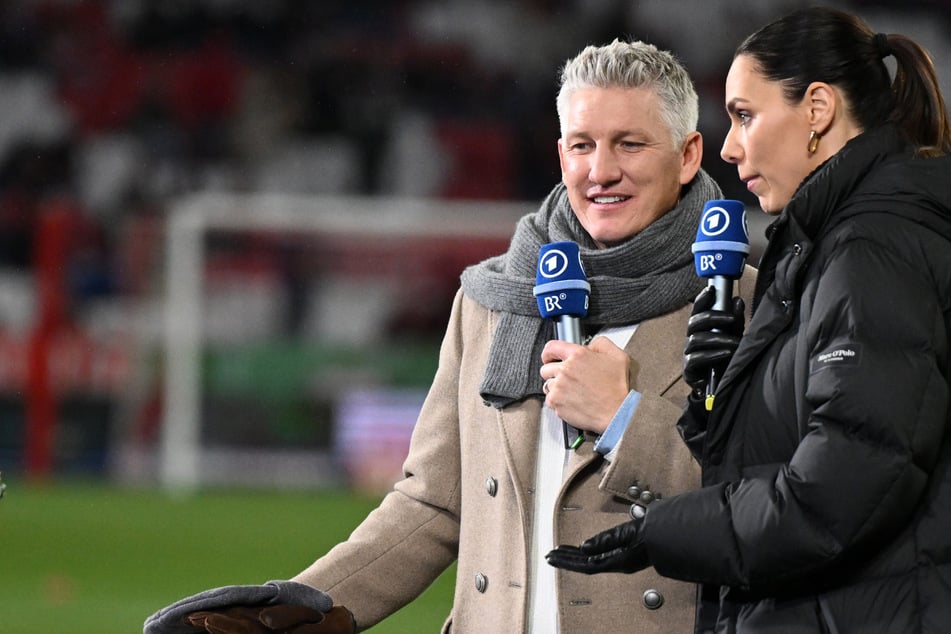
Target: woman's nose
731	151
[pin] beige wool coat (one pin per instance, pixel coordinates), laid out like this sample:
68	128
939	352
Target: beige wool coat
467	495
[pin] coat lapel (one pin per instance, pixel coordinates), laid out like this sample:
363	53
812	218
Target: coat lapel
657	349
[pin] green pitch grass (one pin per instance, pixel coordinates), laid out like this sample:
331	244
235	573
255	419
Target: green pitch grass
96	559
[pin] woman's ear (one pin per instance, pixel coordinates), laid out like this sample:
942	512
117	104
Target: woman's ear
822	102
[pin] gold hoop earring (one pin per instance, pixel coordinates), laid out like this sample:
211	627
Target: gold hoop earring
813	141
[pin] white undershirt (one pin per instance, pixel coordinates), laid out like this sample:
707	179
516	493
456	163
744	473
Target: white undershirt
549	477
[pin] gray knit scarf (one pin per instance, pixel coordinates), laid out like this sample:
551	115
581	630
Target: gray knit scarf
649	275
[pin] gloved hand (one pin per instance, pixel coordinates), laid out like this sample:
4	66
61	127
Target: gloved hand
707	350
289	619
172	619
618	549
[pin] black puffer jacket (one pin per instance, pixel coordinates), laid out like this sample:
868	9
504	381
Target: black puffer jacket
827	456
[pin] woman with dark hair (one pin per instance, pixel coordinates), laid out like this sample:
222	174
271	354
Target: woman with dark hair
826	504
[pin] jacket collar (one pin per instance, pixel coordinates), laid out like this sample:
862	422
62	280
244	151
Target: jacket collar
821	200
822	193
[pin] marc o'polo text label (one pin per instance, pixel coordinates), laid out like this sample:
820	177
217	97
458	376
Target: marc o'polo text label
842	355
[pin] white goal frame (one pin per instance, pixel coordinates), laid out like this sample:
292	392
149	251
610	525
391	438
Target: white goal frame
182	466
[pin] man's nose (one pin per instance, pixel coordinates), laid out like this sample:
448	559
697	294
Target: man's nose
605	167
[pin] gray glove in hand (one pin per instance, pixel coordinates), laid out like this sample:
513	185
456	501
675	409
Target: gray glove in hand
173	618
618	549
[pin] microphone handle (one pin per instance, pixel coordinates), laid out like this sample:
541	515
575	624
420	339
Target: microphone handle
724	289
568	328
724	286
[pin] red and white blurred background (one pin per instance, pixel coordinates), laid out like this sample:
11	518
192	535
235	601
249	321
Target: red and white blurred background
230	230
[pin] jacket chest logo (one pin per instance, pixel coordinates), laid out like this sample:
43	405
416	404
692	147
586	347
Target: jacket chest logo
840	355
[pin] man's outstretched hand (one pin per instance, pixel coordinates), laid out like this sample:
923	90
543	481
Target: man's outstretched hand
289	619
276	606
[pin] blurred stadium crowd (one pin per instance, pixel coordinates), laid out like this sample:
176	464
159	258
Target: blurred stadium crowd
120	105
110	110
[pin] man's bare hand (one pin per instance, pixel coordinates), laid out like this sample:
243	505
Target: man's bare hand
585	385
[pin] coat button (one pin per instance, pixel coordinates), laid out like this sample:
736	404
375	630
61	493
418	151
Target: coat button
634	491
491	486
796	249
481	582
653	599
646	497
638	511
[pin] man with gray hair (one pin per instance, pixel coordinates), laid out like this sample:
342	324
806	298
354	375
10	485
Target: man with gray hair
489	481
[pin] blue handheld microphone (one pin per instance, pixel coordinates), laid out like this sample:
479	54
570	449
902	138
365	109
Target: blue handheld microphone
720	251
561	290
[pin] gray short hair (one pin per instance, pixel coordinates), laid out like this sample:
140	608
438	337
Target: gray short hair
634	65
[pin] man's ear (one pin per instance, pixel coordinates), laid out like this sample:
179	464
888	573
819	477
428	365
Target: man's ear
690	156
561	157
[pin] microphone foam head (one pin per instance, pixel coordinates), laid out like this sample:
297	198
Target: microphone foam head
723	240
561	286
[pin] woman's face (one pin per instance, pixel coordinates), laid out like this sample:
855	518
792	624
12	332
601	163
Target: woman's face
768	137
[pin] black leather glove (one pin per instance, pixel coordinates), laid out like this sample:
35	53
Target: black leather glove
618	549
173	619
712	338
288	619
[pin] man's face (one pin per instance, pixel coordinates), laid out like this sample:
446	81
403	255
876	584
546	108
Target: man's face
619	163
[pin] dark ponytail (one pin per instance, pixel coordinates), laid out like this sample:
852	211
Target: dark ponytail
920	109
827	45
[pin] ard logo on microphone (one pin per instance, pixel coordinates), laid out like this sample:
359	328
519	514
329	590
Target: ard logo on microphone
553	264
715	221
